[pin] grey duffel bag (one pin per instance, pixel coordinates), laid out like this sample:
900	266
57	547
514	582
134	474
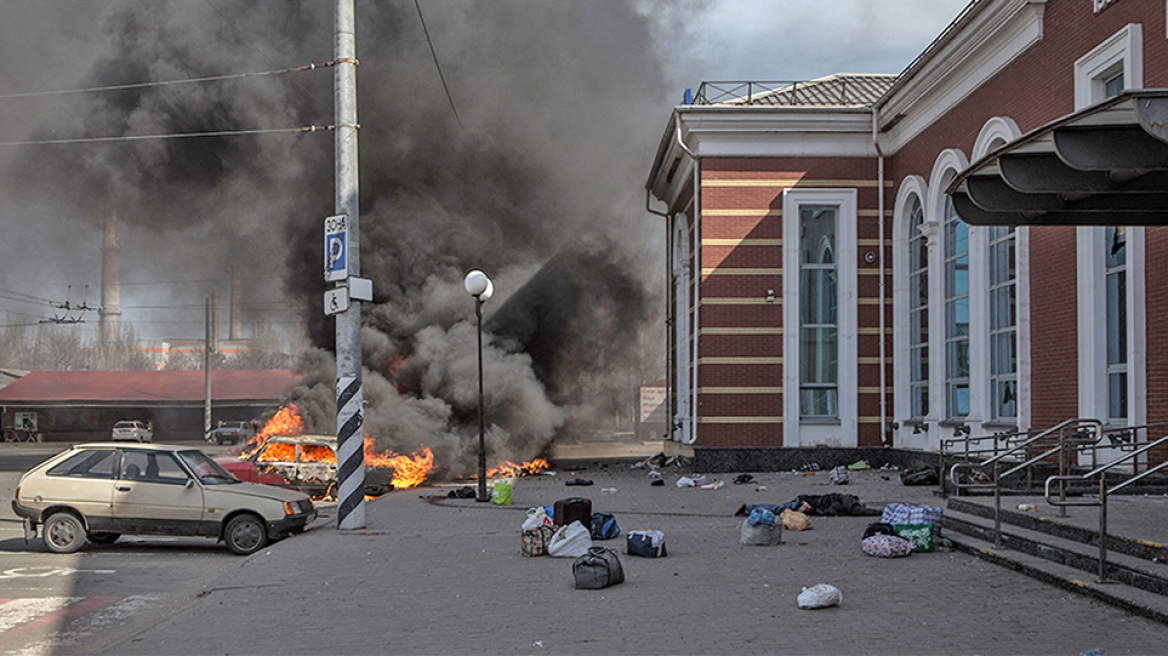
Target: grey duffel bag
599	568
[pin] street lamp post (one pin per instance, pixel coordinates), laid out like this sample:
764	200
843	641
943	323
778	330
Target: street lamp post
480	286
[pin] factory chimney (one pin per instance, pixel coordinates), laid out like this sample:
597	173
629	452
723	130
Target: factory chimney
236	316
110	312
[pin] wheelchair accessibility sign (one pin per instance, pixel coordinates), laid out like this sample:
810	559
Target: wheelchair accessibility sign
336	247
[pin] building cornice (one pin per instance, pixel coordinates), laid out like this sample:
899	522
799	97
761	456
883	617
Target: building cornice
729	131
977	48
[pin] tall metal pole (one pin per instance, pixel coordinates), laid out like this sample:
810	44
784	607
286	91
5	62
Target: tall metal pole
350	414
207	373
482	495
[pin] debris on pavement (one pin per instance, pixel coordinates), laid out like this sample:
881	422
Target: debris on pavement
820	596
839	476
859	465
743	479
793	520
578	481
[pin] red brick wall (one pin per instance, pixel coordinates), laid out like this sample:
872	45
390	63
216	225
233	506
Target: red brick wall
758	412
1035	89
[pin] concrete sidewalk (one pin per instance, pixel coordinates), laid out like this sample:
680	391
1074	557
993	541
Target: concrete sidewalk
446	577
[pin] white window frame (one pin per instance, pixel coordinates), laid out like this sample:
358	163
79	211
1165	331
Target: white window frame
1121	51
910	434
843	432
997	132
682	280
949	163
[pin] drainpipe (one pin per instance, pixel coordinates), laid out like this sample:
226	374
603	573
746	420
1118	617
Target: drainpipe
884	437
668	412
697	274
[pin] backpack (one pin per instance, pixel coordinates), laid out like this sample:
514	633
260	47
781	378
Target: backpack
604	527
879	529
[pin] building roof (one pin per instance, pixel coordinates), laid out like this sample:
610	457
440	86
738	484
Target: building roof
147	387
838	90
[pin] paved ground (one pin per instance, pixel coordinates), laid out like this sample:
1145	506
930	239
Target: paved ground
447	577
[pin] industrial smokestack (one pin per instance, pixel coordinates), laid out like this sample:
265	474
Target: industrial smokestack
110	313
236	314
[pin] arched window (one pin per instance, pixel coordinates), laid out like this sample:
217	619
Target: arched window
1003	324
818	320
956	241
918	302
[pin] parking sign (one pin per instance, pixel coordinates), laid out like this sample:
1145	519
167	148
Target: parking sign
336	247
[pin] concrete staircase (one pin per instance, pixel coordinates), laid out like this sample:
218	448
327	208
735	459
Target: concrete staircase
1064	551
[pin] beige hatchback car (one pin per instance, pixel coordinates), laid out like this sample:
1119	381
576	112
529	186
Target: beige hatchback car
104	490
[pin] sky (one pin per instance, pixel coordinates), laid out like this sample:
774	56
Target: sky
50	215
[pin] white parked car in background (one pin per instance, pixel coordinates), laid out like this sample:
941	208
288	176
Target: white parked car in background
132	430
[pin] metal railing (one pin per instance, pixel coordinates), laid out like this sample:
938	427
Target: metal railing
789	93
1067	436
972	446
1104	491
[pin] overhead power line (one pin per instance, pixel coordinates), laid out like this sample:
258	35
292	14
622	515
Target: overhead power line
163	83
177	135
437	65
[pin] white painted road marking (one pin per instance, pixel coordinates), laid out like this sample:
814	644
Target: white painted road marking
40	572
40	626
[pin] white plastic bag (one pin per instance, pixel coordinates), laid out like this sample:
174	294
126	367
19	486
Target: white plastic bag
571	541
536	517
820	596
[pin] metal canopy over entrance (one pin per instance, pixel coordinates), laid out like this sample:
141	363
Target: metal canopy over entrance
1104	165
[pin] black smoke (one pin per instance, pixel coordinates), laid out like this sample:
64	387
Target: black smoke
541	186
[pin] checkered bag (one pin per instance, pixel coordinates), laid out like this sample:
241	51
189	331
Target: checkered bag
886	546
903	513
839	476
535	540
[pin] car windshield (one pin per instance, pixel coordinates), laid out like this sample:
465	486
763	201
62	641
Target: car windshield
207	470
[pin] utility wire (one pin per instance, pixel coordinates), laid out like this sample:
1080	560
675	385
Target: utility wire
437	65
176	282
23	297
178	135
163	83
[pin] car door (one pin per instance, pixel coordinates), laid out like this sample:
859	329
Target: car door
155	494
85	481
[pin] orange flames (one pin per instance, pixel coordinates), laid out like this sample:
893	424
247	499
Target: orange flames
408	471
286	422
508	468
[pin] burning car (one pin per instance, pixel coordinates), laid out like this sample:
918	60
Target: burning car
305	462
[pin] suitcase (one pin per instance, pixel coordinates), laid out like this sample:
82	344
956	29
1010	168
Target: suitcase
574	509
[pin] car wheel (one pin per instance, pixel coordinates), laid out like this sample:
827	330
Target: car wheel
104	538
64	532
245	534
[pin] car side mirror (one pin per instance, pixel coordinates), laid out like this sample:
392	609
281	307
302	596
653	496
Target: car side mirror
190	483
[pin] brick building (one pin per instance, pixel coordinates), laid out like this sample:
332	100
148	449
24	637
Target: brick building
827	292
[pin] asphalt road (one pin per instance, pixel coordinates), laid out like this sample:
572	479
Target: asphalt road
442	576
53	602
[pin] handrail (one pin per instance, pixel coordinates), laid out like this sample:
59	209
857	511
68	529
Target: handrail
967	440
1104	491
1065	439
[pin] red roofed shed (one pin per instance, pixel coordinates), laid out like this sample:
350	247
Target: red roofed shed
84	405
